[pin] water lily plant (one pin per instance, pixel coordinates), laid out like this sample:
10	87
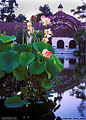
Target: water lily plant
30	62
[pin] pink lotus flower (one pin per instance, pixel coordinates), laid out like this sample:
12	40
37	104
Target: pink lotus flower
45	20
46	53
29	24
30	28
48	32
42	17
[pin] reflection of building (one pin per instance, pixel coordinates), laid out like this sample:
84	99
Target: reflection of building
68	60
63	27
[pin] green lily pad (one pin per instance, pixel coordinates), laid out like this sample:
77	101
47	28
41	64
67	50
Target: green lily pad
14	102
27	103
50	91
47	95
9	60
40	102
2	73
46	83
20	73
7	38
37	68
26	58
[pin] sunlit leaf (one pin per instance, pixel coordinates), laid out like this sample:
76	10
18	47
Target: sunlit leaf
39	46
26	58
7	38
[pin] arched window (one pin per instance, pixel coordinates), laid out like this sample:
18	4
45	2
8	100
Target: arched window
72	44
60	44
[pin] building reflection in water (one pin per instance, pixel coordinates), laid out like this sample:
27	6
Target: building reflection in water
72	77
69	97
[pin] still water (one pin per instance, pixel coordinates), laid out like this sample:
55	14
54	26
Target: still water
67	101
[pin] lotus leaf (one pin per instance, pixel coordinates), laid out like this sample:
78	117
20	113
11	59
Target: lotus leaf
40	46
51	68
4	47
26	58
7	38
9	60
14	102
21	48
37	68
57	63
56	80
20	73
50	48
46	83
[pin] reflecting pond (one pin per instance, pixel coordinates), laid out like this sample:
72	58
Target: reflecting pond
66	101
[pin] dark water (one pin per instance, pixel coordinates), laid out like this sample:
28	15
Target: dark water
67	101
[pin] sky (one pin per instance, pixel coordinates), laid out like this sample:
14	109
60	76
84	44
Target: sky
31	7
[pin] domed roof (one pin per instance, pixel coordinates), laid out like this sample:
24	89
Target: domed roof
60	6
63	25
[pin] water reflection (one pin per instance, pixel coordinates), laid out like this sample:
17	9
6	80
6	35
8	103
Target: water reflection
67	102
69	94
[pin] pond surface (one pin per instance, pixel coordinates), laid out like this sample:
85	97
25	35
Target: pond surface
67	101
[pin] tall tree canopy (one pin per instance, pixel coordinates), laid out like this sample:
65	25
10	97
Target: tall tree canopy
80	10
44	10
7	10
80	38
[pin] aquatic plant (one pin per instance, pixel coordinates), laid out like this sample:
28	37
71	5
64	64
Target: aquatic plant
32	62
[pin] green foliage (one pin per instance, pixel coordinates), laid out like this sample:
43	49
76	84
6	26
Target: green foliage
14	102
26	58
56	80
7	38
4	47
37	68
9	60
57	63
23	60
51	68
39	46
45	10
46	83
80	38
21	48
20	73
7	10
